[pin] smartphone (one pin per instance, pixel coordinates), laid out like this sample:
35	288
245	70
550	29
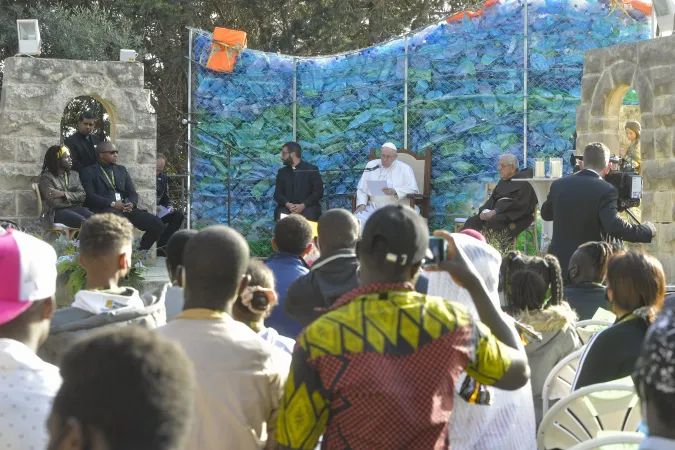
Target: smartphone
439	248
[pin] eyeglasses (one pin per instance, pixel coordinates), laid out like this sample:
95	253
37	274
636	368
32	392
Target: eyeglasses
113	152
387	156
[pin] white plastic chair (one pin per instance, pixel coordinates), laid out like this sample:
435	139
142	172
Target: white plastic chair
587	328
558	384
583	414
629	440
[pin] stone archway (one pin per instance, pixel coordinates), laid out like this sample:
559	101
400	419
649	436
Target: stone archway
649	67
35	93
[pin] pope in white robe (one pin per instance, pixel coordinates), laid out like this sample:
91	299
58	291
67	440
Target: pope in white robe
400	180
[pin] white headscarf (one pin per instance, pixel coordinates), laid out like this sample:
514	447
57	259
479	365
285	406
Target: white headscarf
508	423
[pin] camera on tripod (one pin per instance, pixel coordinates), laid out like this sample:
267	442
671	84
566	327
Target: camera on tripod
627	181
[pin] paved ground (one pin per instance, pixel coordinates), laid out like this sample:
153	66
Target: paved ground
155	276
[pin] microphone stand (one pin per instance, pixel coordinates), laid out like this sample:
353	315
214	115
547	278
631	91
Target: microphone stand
228	149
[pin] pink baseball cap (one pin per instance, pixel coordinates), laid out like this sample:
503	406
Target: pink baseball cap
474	234
27	273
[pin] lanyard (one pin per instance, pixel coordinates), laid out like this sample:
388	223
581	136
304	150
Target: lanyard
112	182
65	175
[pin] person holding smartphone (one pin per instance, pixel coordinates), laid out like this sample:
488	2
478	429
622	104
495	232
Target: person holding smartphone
379	370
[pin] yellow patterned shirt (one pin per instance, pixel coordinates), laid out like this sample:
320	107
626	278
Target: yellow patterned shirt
379	371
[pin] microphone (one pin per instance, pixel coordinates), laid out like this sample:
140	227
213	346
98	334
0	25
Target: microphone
191	122
370	169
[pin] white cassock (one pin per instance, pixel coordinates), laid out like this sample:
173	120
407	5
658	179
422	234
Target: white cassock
398	176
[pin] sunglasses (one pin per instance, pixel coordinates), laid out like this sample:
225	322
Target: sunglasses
113	152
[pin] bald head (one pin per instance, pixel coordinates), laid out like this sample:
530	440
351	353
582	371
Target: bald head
215	261
338	229
105	147
107	152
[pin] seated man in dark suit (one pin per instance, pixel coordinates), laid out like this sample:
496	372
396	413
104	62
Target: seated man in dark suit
109	188
173	218
299	186
583	208
511	205
83	143
586	273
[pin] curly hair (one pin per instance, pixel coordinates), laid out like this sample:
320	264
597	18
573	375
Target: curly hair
293	234
546	267
52	161
102	234
132	385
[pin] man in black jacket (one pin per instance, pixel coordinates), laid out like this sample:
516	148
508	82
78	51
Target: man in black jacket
334	274
109	188
299	186
83	143
583	208
172	218
511	205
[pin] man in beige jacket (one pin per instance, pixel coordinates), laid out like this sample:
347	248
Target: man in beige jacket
240	377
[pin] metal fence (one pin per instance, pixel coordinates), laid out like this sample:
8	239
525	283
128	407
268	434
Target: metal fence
508	81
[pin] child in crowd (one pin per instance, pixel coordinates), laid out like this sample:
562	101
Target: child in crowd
256	302
533	293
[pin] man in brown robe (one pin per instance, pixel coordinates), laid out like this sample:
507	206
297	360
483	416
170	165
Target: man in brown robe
512	204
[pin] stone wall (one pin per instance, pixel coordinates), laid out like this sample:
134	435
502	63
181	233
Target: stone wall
35	93
649	67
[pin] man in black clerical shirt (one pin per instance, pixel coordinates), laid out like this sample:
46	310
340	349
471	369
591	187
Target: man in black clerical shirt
299	186
83	143
110	189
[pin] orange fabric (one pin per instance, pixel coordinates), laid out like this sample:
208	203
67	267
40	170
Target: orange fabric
644	8
471	14
225	48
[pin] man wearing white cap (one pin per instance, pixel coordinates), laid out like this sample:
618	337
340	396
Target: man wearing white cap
27	288
399	178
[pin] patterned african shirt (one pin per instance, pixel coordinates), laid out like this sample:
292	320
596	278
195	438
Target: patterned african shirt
379	370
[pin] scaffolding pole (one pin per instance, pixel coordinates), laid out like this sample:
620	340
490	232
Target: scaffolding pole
525	53
405	96
189	134
295	99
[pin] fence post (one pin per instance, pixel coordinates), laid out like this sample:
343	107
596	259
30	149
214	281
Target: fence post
295	99
405	96
189	134
525	73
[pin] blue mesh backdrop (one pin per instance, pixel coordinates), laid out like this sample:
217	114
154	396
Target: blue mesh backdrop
466	87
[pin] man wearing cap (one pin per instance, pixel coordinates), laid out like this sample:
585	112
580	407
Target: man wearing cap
380	368
27	288
110	189
399	177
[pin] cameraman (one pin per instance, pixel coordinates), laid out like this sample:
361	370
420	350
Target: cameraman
583	208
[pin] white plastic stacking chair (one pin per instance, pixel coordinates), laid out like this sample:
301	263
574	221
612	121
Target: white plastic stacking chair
626	440
558	384
587	328
583	414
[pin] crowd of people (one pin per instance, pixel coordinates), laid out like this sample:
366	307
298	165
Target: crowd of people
374	360
369	347
82	178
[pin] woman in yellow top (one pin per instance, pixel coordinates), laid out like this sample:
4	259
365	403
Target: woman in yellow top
631	154
62	191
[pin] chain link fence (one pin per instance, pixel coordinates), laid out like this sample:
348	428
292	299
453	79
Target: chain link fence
461	88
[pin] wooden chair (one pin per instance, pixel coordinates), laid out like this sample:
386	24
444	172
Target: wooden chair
531	230
421	166
589	412
57	228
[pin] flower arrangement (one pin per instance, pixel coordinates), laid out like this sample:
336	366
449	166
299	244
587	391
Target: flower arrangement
75	277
